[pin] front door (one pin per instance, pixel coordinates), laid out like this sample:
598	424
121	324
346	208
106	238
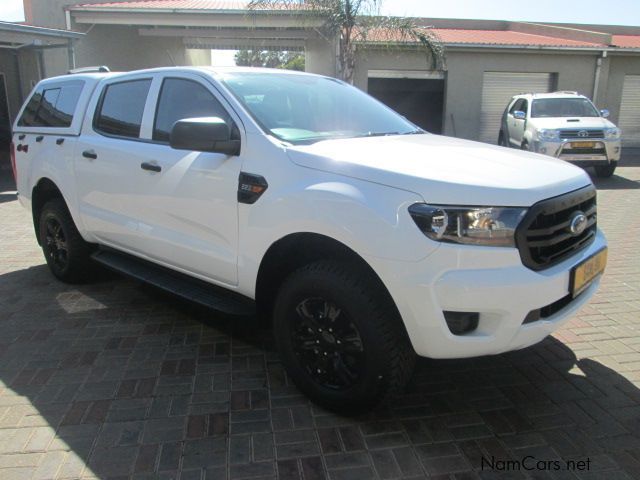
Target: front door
191	213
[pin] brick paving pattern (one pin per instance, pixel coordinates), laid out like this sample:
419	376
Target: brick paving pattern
117	380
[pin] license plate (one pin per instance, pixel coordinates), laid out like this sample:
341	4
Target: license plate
582	275
583	144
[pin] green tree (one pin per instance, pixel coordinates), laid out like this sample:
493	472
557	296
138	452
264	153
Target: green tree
358	23
270	59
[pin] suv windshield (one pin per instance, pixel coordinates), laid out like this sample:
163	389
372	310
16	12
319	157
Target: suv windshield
304	109
563	107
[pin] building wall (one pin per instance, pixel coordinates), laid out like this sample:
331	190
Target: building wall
19	86
575	71
619	66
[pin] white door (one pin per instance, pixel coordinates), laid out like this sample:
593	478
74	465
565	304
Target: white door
107	163
191	212
629	118
497	90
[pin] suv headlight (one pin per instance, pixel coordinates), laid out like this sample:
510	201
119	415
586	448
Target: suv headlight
490	226
548	134
613	133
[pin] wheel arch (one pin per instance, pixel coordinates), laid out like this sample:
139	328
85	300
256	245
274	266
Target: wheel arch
44	191
295	250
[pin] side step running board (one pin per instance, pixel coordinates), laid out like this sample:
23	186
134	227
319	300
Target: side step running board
192	289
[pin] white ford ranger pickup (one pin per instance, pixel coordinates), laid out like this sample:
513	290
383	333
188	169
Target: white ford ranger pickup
364	239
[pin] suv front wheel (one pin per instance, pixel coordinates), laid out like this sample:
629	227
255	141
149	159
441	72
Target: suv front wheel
341	339
605	171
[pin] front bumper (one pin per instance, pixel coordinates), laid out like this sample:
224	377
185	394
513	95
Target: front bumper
490	281
603	152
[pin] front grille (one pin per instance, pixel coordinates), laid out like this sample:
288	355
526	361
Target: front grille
543	237
581	134
584	151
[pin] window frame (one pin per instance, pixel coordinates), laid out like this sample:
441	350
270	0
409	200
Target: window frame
99	105
77	115
158	97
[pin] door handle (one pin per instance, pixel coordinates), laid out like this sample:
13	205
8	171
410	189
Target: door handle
39	138
152	167
60	141
90	154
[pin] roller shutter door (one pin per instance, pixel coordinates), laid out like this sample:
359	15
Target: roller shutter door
629	119
497	90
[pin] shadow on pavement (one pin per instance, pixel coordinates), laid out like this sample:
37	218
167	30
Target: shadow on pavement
135	382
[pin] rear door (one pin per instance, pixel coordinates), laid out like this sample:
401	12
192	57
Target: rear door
107	163
190	208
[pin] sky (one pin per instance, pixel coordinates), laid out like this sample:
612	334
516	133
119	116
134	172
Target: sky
615	12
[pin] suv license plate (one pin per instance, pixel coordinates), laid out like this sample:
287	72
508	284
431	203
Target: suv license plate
583	144
582	275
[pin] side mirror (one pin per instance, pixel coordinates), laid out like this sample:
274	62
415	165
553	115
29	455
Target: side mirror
207	134
519	115
604	112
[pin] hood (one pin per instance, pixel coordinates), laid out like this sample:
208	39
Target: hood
571	123
445	170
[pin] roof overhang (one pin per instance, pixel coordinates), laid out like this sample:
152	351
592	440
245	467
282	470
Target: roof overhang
15	35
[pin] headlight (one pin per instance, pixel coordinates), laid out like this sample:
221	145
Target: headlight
490	226
612	133
548	135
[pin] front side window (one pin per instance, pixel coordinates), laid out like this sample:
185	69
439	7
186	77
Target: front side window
52	107
180	99
563	107
517	106
304	109
121	108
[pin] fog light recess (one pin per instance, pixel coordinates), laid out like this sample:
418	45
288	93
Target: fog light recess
461	323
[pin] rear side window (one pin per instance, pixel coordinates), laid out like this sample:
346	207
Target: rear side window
52	106
121	108
180	99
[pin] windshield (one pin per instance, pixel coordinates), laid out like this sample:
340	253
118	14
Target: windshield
304	109
563	107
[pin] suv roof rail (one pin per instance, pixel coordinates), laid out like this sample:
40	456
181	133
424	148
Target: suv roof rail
100	69
569	92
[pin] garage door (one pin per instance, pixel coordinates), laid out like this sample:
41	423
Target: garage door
497	90
629	119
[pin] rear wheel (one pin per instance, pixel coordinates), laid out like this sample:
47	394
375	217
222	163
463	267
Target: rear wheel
502	141
605	171
66	253
341	339
525	145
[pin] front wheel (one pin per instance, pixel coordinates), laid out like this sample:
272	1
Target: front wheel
606	171
340	337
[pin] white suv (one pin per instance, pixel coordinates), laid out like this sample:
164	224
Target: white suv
564	125
365	239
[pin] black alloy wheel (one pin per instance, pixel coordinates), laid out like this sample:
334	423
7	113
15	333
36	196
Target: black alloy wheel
327	344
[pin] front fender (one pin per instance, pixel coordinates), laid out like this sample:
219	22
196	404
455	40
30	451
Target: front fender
371	219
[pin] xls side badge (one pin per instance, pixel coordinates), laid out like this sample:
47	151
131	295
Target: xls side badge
251	187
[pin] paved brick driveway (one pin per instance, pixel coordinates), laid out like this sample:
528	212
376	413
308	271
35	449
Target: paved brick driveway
114	379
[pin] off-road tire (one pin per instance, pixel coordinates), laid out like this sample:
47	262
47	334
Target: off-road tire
75	266
388	357
606	171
